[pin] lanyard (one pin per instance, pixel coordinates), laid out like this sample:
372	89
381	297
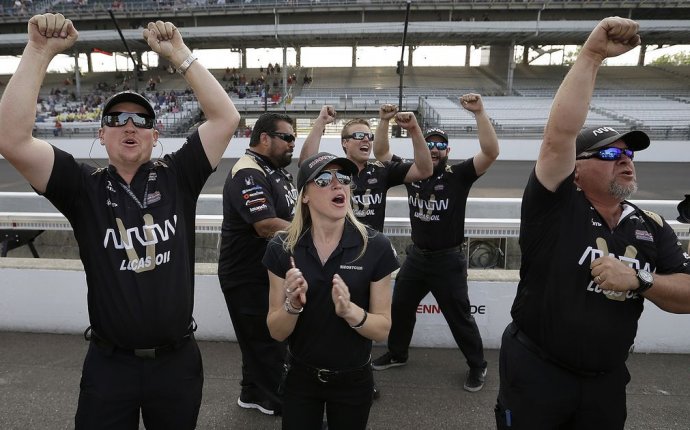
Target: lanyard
129	191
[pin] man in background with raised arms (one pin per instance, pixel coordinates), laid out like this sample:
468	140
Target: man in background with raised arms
589	259
374	177
134	223
258	200
435	262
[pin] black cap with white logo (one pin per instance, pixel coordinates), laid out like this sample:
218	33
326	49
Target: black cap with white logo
593	138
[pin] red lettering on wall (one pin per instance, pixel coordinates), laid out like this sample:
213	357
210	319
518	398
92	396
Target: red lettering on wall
428	309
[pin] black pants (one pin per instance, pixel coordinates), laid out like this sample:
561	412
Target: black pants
347	399
116	386
536	394
444	274
262	356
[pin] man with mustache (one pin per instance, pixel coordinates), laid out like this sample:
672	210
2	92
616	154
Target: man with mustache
258	200
590	258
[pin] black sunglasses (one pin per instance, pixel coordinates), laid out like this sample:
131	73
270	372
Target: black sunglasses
360	135
289	138
609	154
325	178
441	146
119	119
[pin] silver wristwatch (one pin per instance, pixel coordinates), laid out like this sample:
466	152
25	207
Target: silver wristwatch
645	280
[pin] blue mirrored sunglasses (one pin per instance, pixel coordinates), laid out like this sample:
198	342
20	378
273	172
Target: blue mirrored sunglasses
608	154
360	135
325	178
119	119
441	146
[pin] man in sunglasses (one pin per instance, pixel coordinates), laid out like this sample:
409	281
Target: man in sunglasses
374	179
134	223
435	262
589	259
258	200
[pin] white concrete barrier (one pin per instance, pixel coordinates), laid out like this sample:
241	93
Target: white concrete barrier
667	151
40	295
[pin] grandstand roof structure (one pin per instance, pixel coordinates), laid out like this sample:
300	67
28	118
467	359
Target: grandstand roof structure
294	23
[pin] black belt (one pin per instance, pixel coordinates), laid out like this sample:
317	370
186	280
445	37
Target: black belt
450	250
148	353
529	344
325	375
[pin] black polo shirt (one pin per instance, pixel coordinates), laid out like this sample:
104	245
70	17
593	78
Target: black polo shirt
136	243
255	190
371	186
437	206
322	338
557	304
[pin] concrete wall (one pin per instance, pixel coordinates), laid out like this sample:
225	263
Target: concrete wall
50	296
511	149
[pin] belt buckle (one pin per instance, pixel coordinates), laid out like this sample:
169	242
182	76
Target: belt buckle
145	353
323	374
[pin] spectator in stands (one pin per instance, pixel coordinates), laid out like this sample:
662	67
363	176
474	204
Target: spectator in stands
57	130
142	359
435	262
589	259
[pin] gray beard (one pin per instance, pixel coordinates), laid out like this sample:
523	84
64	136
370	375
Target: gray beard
620	192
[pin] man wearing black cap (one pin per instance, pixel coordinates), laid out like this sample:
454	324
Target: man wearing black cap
589	259
258	200
435	262
134	223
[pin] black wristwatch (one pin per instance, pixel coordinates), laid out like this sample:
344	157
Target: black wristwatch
645	279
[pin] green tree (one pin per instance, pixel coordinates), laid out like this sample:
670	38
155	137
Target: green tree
677	59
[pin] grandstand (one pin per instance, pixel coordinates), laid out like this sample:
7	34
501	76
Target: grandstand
648	97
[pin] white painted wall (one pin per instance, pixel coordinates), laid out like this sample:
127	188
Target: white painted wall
511	149
52	298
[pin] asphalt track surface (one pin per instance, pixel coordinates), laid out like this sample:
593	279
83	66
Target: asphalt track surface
656	181
39	386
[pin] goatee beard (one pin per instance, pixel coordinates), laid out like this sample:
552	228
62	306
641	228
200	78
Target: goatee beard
622	192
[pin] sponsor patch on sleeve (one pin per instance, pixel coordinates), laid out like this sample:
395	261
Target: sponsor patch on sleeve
644	235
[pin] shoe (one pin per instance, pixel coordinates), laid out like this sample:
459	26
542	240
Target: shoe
386	361
264	406
475	379
377	393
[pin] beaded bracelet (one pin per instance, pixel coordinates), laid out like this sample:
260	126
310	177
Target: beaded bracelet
361	323
291	309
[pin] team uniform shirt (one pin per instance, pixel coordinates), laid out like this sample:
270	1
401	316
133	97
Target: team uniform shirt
371	186
136	242
437	206
321	338
255	190
558	305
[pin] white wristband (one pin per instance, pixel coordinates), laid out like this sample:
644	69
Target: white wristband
185	64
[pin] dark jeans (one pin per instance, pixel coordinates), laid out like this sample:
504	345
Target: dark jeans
115	386
537	394
347	400
262	356
444	274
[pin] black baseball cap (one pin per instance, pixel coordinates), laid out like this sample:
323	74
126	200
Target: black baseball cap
128	96
436	132
313	165
597	137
